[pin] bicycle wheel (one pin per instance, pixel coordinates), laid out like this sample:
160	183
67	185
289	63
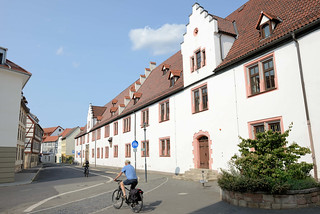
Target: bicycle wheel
117	199
136	206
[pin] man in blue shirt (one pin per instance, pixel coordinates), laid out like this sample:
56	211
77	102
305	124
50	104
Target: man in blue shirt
132	178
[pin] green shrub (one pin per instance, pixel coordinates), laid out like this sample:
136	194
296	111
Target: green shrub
271	166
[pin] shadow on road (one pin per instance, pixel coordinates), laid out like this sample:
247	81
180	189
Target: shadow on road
225	208
149	207
54	172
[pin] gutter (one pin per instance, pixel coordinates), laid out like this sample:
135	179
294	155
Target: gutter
306	106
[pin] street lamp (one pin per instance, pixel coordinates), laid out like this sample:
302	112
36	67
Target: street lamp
145	151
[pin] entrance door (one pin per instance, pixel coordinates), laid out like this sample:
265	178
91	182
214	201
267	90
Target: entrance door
87	152
204	152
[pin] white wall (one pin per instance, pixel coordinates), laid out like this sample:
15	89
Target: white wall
11	84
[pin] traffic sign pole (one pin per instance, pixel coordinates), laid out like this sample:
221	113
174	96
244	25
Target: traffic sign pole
135	144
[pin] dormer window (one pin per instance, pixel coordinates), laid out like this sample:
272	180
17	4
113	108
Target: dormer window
3	55
165	69
1	58
136	97
114	102
266	24
174	76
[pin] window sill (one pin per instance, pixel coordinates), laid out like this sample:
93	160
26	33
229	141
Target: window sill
165	156
142	126
161	121
200	111
262	92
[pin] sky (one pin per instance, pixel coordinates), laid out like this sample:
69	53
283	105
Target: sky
81	52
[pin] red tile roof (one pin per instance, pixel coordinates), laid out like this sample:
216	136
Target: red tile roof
51	139
98	110
225	26
114	101
15	67
157	85
294	14
65	132
49	130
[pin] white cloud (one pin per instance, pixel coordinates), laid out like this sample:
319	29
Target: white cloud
75	64
60	51
163	40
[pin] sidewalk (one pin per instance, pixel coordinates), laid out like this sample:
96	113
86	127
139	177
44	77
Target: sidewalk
26	176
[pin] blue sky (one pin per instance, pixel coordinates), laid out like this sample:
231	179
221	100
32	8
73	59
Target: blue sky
82	52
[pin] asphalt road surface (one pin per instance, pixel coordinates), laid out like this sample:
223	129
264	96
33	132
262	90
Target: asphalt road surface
64	189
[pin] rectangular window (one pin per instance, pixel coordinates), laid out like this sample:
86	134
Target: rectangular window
93	153
88	138
145	117
99	134
93	134
268	74
274	124
200	98
164	111
128	150
260	75
145	149
192	64
106	150
107	131
198	57
126	124
115	128
115	151
98	152
165	147
101	152
172	81
203	57
254	79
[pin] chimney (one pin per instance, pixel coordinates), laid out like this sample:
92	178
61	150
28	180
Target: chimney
142	78
147	71
153	65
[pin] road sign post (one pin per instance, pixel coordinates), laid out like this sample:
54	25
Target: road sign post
135	145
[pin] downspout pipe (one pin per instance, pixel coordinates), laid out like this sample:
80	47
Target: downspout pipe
315	168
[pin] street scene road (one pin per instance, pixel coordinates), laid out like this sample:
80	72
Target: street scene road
64	189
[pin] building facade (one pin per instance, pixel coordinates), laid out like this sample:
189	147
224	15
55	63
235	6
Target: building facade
21	136
13	78
49	149
34	134
67	143
236	76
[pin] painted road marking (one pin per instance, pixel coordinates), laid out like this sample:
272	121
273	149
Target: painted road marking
144	193
29	209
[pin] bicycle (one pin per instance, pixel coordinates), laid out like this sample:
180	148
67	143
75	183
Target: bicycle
86	171
117	199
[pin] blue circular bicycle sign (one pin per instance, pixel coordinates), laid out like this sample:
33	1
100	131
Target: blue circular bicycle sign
135	144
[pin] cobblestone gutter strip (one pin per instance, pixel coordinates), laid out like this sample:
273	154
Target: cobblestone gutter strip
36	176
293	199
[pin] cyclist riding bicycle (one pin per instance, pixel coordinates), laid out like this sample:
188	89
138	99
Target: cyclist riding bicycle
86	166
132	178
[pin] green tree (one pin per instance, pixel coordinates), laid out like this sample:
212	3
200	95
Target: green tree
267	163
